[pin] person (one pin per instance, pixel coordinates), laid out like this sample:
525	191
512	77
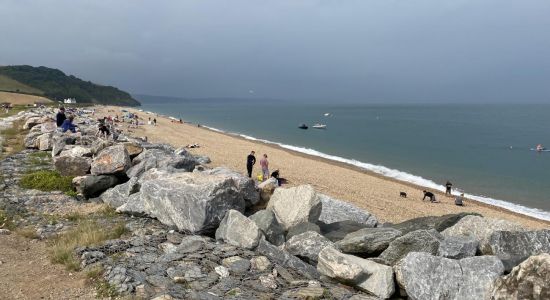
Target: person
429	195
448	187
103	130
155	121
459	200
68	125
250	162
275	174
265	167
60	117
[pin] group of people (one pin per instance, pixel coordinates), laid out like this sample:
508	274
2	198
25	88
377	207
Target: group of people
459	200
63	122
264	165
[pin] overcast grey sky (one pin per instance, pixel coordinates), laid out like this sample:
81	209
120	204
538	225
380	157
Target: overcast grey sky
354	50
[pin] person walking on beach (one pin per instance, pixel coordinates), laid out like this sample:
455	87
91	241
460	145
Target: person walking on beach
448	187
250	162
265	167
60	117
155	121
430	195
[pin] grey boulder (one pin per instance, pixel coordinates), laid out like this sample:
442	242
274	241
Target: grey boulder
307	245
457	247
111	160
338	230
337	210
301	228
417	241
270	227
295	205
160	159
92	186
285	259
238	230
368	240
119	194
246	185
438	223
72	166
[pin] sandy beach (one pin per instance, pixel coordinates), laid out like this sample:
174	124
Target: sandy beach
372	192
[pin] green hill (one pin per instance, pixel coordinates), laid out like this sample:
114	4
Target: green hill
54	84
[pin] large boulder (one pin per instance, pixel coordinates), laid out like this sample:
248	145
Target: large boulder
111	160
100	144
119	194
295	205
238	230
438	223
134	149
31	122
77	151
48	127
267	188
92	186
72	166
338	230
285	259
45	142
337	210
301	228
364	274
513	247
424	276
160	159
307	245
368	240
270	227
193	202
529	280
480	228
31	139
246	185
417	241
60	141
457	247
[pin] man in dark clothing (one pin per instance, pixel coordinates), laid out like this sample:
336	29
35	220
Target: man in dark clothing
448	187
429	195
60	117
250	162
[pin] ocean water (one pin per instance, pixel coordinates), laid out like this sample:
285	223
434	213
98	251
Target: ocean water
484	150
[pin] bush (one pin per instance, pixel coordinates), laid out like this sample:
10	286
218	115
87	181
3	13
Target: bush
46	180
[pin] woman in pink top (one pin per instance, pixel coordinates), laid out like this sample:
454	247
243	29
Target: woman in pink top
264	164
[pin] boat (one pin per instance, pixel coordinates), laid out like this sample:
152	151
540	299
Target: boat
540	148
327	114
319	126
303	126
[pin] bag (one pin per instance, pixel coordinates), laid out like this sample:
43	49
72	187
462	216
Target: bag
260	177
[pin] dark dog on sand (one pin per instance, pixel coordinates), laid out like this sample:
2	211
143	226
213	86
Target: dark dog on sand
403	194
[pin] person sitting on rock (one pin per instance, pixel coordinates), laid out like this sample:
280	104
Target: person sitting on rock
68	125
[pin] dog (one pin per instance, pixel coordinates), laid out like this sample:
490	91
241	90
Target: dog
402	194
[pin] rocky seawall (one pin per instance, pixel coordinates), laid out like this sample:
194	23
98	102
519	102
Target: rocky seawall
211	233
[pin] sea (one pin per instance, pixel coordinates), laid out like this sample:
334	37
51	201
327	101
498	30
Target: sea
484	150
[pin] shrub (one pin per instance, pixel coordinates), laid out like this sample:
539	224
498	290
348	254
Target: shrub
46	180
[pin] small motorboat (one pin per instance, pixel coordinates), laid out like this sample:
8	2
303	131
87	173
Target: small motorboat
327	114
319	126
303	126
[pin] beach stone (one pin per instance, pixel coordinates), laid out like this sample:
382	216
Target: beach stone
72	166
424	276
160	159
338	230
238	230
438	223
59	141
31	122
77	151
368	240
245	185
236	264
513	247
528	280
193	202
270	227
480	228
295	205
260	263
417	241
307	245
363	274
191	244
45	142
301	228
99	144
111	160
133	149
4	231
267	188
119	194
457	247
222	271
31	140
335	210
48	127
285	259
92	186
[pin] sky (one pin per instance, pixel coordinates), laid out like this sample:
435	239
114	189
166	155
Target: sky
384	51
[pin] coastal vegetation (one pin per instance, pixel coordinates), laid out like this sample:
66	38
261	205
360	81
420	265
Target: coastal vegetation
56	85
47	180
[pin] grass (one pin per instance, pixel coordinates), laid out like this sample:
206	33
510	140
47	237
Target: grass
6	220
103	288
40	158
47	180
14	138
86	233
27	232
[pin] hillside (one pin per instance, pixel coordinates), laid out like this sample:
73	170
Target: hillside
21	99
56	85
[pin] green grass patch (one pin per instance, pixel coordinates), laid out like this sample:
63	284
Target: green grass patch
86	233
38	159
47	180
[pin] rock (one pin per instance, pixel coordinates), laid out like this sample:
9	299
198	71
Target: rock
424	276
111	160
4	231
313	293
31	140
513	247
59	141
48	127
301	228
267	188
160	159
182	152
528	280
100	144
72	166
368	240
245	185
77	151
458	247
119	194
193	202
270	227
438	223
133	149
268	281
222	271
338	230
236	265
364	274
480	228
295	205
92	186
307	245
203	159
191	244
285	259
238	230
417	241
31	122
260	263
337	210
45	142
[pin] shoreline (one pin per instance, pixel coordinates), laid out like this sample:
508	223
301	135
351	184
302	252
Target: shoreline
402	213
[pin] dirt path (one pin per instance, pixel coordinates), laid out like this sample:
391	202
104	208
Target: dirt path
26	273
